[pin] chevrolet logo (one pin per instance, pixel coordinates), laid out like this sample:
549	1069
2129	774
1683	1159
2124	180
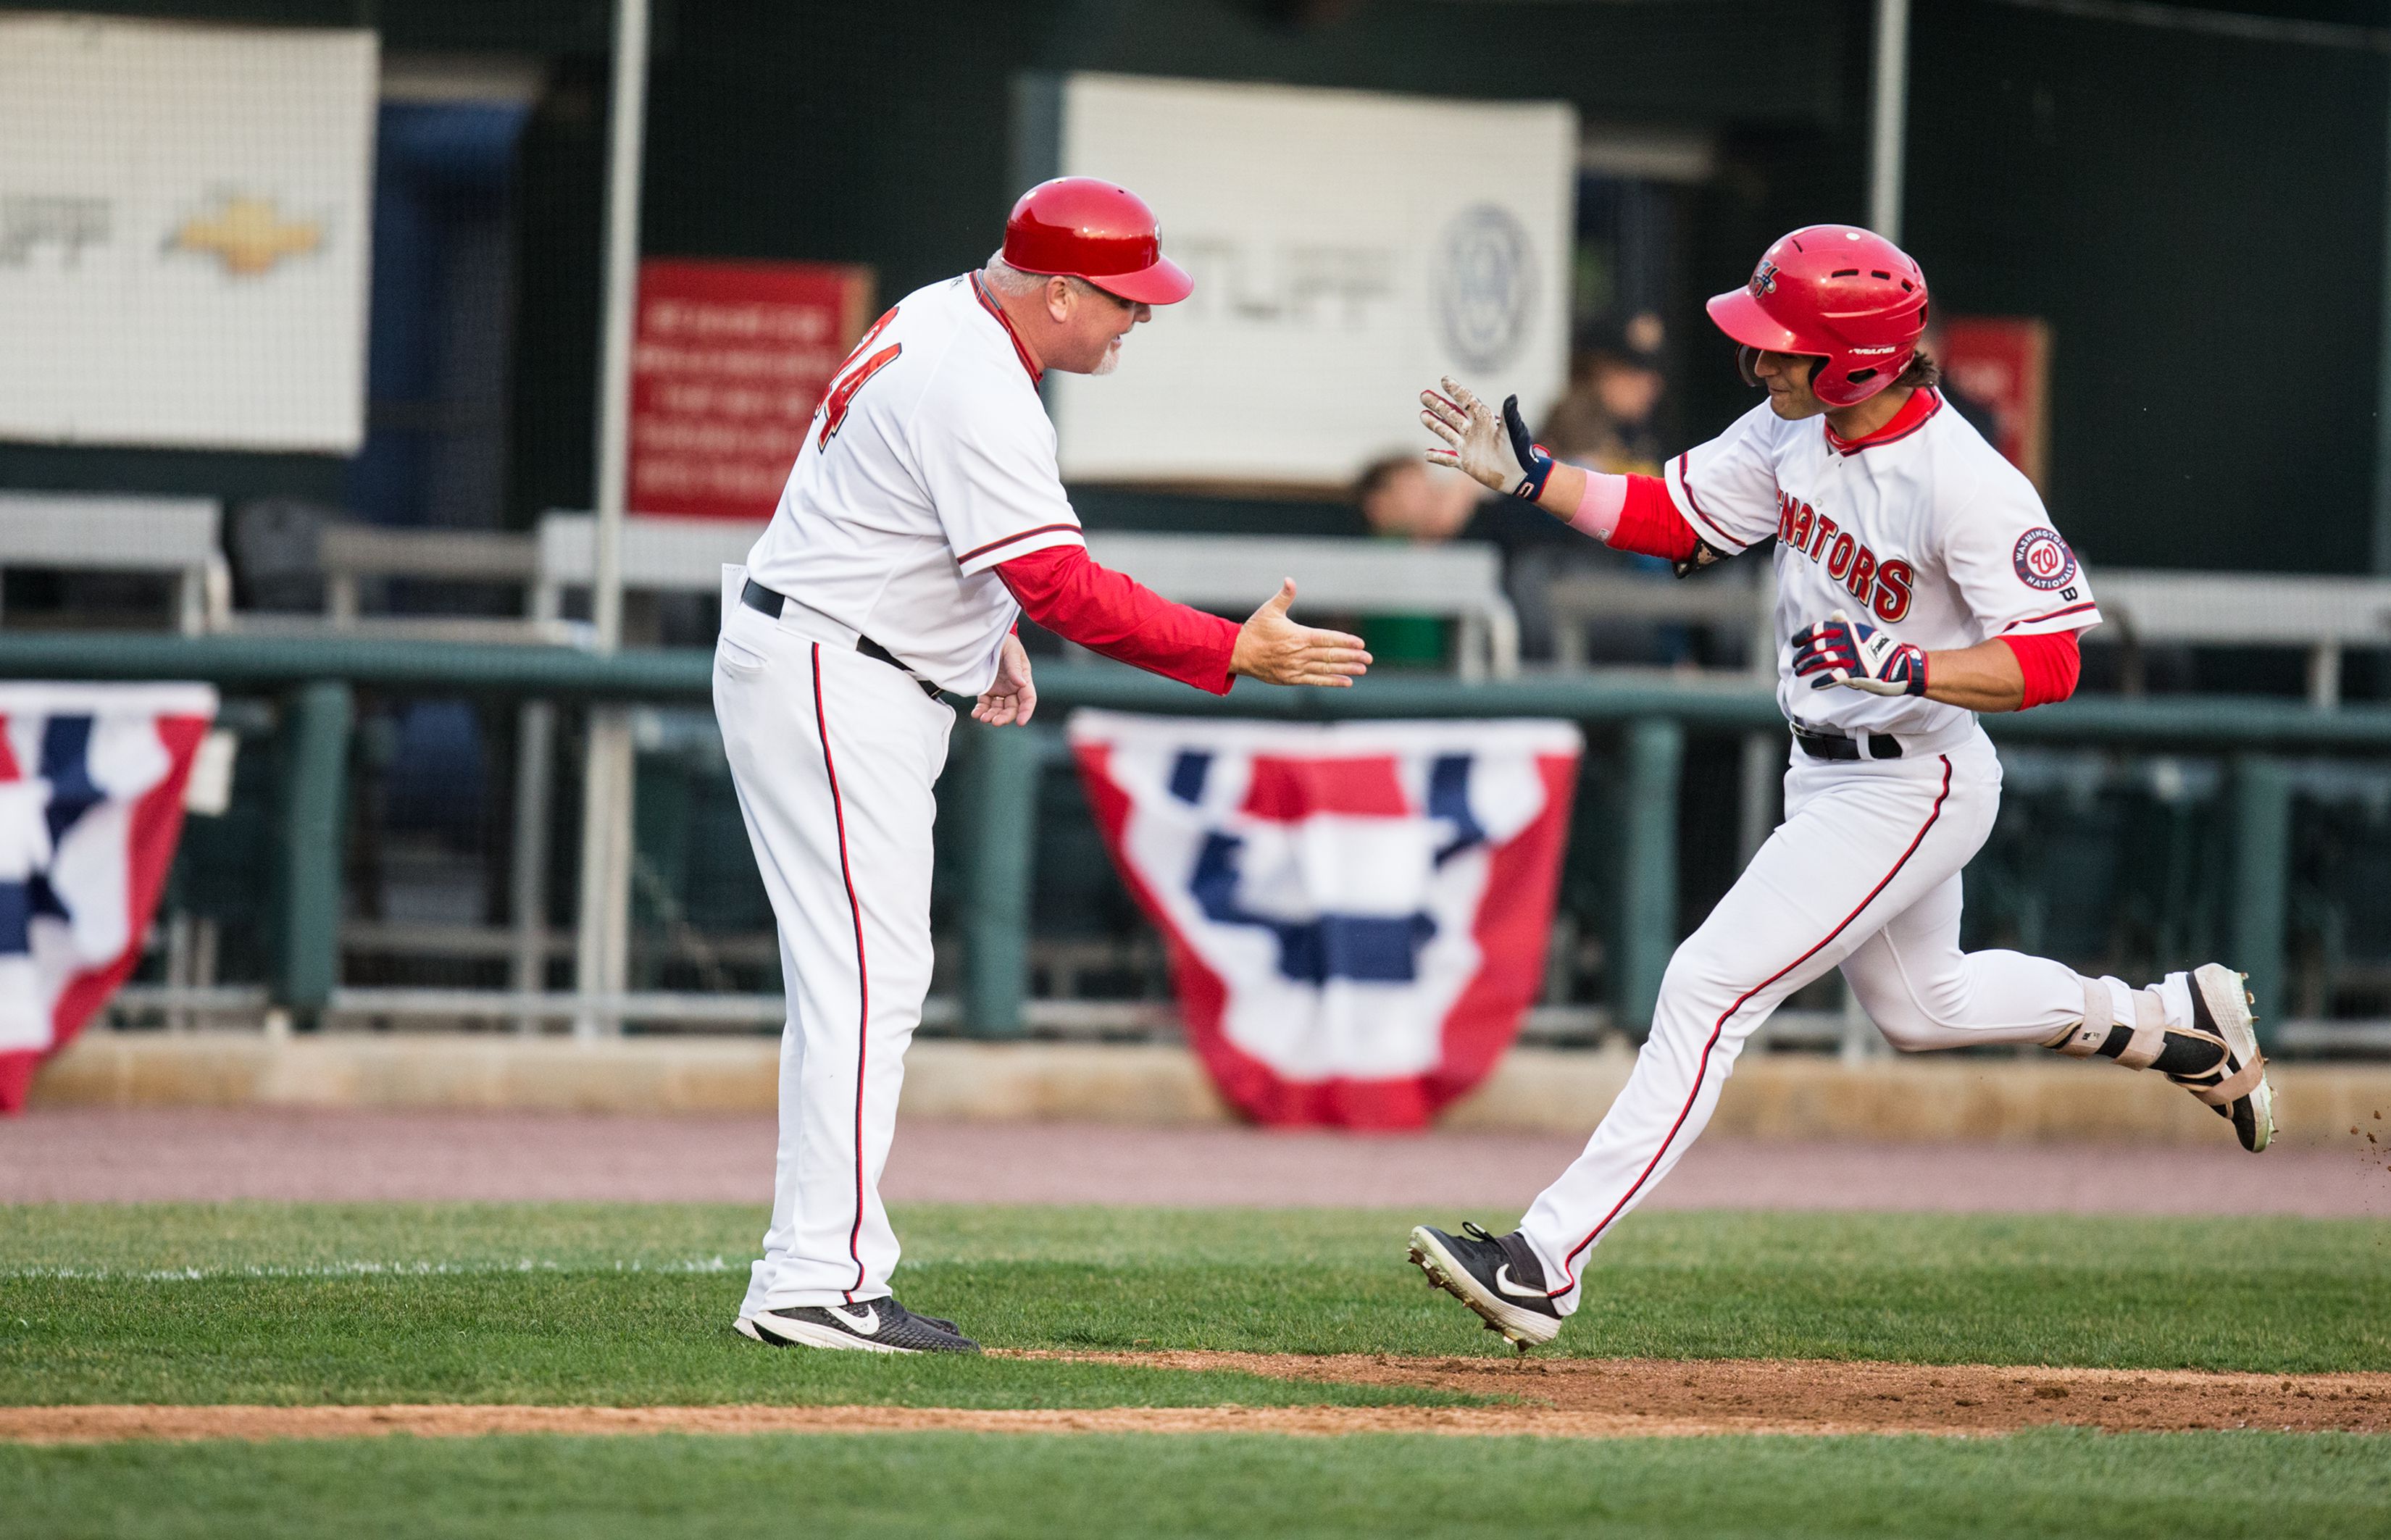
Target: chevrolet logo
248	235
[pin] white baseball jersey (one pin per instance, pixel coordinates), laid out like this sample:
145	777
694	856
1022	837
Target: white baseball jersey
1921	528
931	461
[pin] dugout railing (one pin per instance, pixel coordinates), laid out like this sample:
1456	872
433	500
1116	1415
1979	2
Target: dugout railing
2260	742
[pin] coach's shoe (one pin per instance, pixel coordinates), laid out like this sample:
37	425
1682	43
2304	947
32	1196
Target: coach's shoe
1496	1276
2216	1058
870	1326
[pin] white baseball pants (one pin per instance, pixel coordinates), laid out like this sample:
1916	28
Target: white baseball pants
835	755
1864	875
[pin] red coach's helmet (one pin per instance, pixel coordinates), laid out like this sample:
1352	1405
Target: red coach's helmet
1836	292
1084	228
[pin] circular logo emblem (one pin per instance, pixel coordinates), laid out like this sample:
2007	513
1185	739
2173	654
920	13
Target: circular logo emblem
1485	287
2042	559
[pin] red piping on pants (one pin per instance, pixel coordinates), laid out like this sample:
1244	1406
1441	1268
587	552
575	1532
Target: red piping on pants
1703	1069
862	977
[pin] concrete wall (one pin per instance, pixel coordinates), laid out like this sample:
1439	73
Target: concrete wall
1539	1090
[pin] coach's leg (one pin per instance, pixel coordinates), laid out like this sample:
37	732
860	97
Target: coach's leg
834	755
1859	842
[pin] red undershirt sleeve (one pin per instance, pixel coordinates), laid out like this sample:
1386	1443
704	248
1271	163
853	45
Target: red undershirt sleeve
1113	614
2050	662
1650	523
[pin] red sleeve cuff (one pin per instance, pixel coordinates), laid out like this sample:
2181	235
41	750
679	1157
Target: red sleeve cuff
1650	524
2051	664
1113	614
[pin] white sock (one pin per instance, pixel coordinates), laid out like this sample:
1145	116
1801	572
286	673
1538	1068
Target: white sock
2173	994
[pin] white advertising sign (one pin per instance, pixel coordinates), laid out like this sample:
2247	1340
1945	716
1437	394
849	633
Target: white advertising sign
1348	248
184	231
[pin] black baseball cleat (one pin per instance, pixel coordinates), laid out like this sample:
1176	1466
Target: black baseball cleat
1496	1276
868	1325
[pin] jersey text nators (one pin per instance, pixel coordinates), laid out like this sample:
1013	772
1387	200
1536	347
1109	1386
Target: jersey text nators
1922	528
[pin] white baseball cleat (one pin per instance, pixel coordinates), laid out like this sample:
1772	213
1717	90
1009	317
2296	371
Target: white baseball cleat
2237	1086
2214	1055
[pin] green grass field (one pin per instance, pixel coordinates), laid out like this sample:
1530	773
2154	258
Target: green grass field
2315	1487
626	1304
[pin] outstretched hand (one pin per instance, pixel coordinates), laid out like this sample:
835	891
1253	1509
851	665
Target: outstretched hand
1276	651
1490	445
1010	698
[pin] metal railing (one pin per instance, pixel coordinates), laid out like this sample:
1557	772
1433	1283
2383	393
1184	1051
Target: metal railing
316	680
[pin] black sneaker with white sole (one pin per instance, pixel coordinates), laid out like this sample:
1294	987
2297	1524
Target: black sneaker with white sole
1496	1276
2214	1055
868	1325
2236	1085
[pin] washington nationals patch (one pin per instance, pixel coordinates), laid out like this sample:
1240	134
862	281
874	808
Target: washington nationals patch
2042	559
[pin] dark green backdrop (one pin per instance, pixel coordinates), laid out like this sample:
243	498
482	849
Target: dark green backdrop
2201	218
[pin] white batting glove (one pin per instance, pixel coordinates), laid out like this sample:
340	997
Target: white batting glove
1490	447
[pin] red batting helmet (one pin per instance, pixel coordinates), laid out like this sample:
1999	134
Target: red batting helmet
1836	292
1084	228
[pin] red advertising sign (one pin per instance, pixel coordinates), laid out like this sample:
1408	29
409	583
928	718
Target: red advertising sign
729	362
2004	363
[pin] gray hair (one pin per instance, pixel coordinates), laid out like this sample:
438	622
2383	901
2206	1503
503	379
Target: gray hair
1005	278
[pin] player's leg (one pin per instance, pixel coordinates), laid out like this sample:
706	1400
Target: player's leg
834	755
1858	843
1923	992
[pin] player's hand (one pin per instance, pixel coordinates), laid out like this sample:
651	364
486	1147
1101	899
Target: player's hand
1011	698
1492	447
1275	649
1840	650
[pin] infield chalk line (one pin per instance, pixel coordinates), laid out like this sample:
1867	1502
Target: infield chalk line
372	1269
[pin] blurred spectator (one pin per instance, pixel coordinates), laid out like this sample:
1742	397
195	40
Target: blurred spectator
275	547
1402	497
1608	419
1978	410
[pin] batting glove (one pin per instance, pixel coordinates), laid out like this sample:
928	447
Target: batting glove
1840	650
1490	447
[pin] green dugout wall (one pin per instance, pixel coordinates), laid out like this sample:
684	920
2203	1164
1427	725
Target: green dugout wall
2200	216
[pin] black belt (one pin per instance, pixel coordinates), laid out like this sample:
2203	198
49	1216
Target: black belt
1836	746
764	601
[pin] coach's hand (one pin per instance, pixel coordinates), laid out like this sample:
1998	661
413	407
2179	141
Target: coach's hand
1011	697
1275	649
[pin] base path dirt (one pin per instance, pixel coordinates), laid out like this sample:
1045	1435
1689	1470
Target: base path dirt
1552	1398
1822	1396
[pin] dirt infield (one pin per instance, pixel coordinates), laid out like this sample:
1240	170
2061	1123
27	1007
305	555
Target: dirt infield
100	1155
1553	1398
1821	1395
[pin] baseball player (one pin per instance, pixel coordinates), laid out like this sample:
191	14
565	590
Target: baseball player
1918	583
923	515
